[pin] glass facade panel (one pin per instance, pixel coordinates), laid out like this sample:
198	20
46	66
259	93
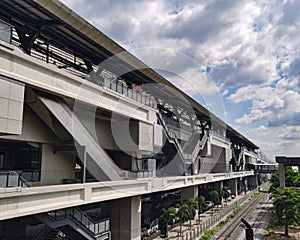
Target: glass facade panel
20	156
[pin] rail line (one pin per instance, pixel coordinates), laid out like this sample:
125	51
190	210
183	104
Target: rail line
231	226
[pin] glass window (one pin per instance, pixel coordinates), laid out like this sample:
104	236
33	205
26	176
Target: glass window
20	156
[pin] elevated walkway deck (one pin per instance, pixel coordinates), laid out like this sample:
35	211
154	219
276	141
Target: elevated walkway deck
17	202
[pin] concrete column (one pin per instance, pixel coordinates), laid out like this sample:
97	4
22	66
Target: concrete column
189	192
136	164
13	229
252	182
126	218
196	166
281	175
232	184
227	160
152	166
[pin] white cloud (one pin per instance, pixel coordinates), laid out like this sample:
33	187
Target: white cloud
250	50
290	133
254	116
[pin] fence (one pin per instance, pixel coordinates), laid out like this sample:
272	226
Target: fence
198	230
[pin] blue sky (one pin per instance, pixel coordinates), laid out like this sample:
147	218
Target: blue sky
243	53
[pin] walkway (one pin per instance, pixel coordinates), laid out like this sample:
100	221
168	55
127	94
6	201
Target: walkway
207	220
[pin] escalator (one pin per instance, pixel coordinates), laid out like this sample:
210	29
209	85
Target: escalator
179	158
237	159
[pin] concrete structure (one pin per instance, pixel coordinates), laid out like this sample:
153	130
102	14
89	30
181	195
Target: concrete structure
87	130
285	161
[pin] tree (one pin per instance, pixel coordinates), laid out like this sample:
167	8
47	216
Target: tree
286	203
225	193
193	207
183	214
215	196
169	215
201	205
292	178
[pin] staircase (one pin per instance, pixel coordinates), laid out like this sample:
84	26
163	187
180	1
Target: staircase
181	158
237	159
76	224
52	234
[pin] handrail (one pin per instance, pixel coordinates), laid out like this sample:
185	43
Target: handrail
78	216
24	181
115	85
240	156
14	178
199	146
172	138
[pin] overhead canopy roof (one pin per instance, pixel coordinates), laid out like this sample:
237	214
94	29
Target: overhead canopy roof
55	23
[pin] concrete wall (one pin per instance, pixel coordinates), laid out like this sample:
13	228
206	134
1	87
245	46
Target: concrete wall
56	167
11	106
217	162
33	130
145	137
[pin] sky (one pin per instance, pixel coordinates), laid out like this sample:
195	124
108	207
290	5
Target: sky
241	58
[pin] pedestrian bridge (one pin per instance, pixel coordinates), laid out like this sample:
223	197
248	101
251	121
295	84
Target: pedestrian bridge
263	167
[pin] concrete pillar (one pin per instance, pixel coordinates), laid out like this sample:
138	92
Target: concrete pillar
252	182
152	166
126	218
137	163
196	166
13	229
281	175
232	184
189	192
228	155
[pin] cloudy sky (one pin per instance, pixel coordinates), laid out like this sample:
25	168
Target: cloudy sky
246	51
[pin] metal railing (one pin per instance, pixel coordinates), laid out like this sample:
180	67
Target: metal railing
219	135
12	179
173	139
95	228
31	175
119	86
208	223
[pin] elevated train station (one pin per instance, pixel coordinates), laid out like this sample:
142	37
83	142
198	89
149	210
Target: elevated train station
88	132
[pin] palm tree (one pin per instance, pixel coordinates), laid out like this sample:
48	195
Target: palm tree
183	214
201	205
224	193
168	217
193	207
215	196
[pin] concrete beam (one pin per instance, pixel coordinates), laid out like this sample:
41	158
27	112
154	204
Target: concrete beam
17	202
288	161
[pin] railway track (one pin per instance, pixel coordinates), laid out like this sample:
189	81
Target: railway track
232	226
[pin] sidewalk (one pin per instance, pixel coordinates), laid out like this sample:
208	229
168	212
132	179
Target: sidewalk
208	219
